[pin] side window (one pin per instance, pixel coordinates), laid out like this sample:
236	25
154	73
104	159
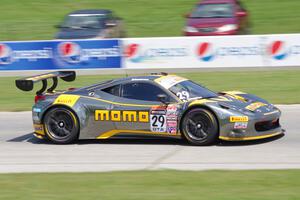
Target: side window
114	90
141	91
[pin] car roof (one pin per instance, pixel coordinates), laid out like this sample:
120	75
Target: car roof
216	1
92	11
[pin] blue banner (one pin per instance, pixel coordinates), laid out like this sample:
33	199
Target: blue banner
51	55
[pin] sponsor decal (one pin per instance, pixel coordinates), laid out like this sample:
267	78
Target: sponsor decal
206	51
37	110
39	129
254	106
278	50
70	52
136	53
5	54
158	119
240	125
8	56
65	99
122	116
239	119
73	53
172	116
164	119
169	81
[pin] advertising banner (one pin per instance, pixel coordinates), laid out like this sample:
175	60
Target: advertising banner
212	52
282	50
51	55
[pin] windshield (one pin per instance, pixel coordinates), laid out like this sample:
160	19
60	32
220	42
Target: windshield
224	10
187	90
84	21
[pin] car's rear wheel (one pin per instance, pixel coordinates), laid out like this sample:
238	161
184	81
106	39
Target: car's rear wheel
200	127
61	125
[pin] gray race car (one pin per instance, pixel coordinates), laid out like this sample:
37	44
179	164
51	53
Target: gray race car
157	104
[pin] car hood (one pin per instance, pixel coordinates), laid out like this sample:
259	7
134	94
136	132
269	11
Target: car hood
243	103
210	22
69	33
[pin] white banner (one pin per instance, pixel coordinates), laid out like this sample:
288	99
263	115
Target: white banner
212	52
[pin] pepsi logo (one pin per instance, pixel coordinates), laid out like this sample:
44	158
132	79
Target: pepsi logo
278	50
5	54
70	52
132	52
205	52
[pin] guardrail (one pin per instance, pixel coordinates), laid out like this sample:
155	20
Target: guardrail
263	51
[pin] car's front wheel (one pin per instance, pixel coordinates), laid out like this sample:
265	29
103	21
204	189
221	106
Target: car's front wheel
61	125
200	127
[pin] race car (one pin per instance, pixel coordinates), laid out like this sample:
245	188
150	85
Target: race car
157	105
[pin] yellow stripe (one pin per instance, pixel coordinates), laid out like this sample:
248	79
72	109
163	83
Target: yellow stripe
114	132
38	136
233	92
249	138
118	103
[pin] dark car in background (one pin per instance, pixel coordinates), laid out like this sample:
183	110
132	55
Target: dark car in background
217	17
91	24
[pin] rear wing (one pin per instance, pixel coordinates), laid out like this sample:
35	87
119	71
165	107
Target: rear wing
26	84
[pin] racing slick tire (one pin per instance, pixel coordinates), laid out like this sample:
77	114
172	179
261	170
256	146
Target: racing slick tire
200	127
61	125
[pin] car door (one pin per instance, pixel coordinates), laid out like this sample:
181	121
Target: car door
140	111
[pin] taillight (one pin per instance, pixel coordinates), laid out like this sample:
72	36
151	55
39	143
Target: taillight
39	98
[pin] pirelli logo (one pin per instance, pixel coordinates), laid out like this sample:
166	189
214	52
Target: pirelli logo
122	116
239	119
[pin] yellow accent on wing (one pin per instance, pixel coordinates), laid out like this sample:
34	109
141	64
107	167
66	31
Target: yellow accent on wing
45	76
66	99
114	132
239	119
249	138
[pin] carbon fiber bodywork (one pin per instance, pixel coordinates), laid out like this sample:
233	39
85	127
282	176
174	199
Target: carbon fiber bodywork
102	115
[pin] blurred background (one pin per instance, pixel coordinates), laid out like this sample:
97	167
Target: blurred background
36	19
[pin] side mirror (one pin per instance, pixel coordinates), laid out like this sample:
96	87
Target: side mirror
241	14
162	98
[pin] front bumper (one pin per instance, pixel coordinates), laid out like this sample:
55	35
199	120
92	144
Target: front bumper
254	129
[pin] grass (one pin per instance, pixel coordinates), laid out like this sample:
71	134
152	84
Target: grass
173	185
35	19
280	87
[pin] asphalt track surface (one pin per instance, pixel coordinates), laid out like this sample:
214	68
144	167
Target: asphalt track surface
21	152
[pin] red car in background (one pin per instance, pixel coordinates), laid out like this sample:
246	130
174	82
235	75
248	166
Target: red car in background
217	17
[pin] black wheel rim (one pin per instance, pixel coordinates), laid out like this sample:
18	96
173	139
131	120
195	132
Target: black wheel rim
198	126
60	124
